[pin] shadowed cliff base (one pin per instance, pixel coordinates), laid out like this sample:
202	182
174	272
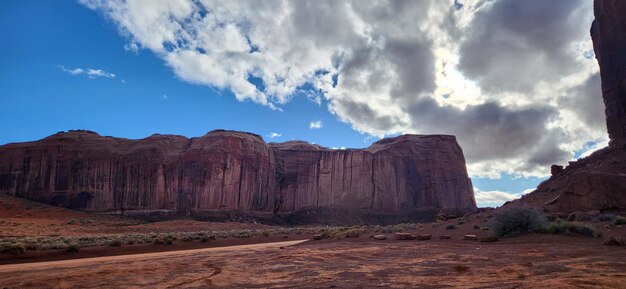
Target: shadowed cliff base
332	216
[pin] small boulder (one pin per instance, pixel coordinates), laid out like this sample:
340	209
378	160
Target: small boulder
379	237
470	238
579	216
614	241
571	217
405	236
556	169
318	237
593	212
489	239
423	237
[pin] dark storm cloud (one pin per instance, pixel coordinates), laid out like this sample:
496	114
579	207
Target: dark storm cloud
358	112
490	131
585	101
379	66
414	64
511	45
321	23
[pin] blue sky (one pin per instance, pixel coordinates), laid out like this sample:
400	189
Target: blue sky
45	99
43	42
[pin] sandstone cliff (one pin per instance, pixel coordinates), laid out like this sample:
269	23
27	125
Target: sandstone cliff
227	170
609	40
597	182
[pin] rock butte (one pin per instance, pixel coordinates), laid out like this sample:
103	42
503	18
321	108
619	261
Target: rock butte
229	170
608	32
597	182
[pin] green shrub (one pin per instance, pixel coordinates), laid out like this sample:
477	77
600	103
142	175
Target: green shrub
387	229
32	246
187	239
606	217
73	247
450	227
476	227
403	227
619	220
564	227
243	234
13	248
517	221
115	243
158	241
355	232
58	246
333	233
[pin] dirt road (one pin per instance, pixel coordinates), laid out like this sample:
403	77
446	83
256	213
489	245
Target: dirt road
537	261
137	257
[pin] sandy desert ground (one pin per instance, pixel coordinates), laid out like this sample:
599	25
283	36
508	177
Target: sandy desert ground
283	261
526	262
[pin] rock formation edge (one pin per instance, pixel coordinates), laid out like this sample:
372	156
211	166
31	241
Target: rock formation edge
597	182
230	170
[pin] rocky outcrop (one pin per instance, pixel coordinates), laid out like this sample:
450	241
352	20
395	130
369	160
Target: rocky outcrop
597	182
227	170
609	40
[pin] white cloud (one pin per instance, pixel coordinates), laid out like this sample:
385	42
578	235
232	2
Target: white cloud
75	71
316	124
496	198
596	146
274	135
91	73
527	191
511	79
131	47
491	198
164	96
99	72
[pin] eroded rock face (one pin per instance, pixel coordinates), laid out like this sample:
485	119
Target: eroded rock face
609	40
597	182
226	170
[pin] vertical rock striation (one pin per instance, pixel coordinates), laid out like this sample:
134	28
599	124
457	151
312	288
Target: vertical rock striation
401	173
227	170
609	40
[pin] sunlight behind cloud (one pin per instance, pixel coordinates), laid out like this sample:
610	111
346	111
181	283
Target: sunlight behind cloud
477	70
